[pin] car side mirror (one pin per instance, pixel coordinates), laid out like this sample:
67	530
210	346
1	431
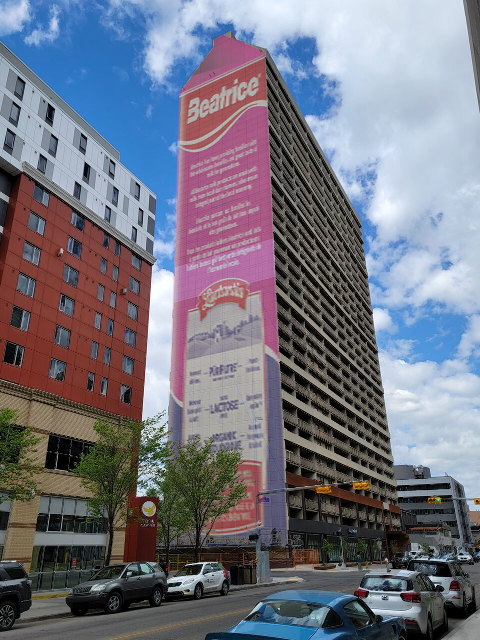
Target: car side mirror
439	588
129	574
378	619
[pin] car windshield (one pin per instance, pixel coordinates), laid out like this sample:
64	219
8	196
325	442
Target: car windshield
386	583
295	613
109	573
190	570
439	569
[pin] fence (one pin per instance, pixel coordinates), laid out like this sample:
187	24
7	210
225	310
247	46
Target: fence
278	559
305	556
50	580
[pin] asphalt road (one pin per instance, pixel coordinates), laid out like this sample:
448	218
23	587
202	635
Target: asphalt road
177	620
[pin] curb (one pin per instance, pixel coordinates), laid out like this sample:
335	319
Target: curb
452	634
265	584
51	616
51	595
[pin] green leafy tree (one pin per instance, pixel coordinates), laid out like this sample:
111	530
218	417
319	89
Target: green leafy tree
208	484
171	518
425	547
362	547
18	467
327	548
124	450
393	547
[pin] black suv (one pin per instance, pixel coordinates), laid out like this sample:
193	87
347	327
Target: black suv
15	593
115	587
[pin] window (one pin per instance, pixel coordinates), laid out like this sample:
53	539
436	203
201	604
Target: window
132	311
104	387
107	355
31	253
106	240
97	323
50	114
9	140
110	327
127	365
134	234
63	454
36	223
13	354
134	285
140	217
115	273
103	266
83	143
26	285
90	381
117	248
20	318
74	247
67	305
78	221
94	350
358	614
100	292
53	146
19	88
113	299
57	370
136	193
70	275
77	190
111	169
14	113
130	337
42	163
115	196
86	172
126	394
136	262
108	214
40	195
62	336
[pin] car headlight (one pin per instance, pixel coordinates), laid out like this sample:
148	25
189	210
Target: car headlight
97	587
189	581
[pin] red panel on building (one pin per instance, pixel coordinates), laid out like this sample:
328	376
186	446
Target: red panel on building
141	534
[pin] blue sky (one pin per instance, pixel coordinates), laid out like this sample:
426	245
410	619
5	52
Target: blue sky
388	90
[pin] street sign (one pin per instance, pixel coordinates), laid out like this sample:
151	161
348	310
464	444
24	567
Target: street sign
434	500
358	486
476	501
326	489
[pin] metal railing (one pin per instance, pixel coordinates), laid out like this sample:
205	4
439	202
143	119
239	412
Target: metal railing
52	580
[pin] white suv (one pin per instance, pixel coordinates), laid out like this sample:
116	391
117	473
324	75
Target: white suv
459	591
408	594
193	580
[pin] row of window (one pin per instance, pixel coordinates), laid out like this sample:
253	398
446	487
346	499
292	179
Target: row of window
14	353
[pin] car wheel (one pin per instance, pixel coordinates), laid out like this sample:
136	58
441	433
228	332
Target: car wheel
156	597
8	615
198	591
429	634
465	607
224	589
78	611
473	604
114	603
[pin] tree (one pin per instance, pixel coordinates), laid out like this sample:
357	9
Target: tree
327	548
18	467
171	518
208	484
110	469
393	547
362	547
425	547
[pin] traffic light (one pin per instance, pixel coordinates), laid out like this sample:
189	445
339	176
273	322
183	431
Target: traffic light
358	486
434	500
326	489
476	501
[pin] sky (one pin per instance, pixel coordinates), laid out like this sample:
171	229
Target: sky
388	90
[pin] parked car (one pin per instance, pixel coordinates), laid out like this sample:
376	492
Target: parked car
15	593
313	615
400	560
409	594
197	578
459	592
464	558
115	587
476	556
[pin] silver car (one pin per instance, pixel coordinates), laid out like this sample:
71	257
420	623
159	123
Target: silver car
197	578
459	591
408	594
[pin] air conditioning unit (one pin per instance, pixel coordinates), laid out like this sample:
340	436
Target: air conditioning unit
60	252
124	292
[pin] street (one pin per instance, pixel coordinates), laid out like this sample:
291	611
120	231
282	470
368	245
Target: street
176	620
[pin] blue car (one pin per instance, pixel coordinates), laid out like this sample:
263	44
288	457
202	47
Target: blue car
313	615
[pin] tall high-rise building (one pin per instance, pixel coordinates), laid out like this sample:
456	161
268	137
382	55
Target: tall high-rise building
472	12
76	245
274	348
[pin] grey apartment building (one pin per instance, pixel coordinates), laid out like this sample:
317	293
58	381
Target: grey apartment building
472	12
415	485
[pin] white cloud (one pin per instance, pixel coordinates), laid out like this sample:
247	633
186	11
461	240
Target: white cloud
14	14
470	341
383	320
50	34
173	148
149	111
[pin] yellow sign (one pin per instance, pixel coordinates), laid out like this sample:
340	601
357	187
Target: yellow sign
357	486
326	489
476	501
434	500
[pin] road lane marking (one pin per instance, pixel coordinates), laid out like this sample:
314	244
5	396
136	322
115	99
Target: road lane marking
179	624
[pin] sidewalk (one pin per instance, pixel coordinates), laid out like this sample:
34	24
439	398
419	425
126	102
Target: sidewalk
51	604
469	629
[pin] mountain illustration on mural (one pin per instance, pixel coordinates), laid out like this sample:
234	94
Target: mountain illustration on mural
223	338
